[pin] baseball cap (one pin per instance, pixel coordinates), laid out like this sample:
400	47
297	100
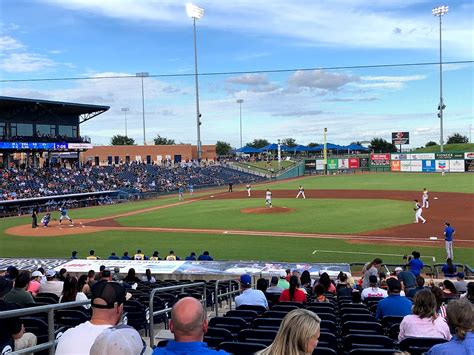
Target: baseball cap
246	280
119	340
394	285
36	274
5	286
398	268
373	279
110	292
460	275
50	273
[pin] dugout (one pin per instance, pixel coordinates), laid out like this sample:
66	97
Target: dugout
34	131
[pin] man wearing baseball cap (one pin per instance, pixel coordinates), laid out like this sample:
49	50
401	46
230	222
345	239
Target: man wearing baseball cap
12	331
407	279
394	304
107	307
52	285
249	296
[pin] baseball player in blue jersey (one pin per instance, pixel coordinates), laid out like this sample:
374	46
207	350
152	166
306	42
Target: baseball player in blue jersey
64	215
46	219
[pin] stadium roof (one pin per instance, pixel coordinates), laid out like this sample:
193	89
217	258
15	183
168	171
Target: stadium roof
13	106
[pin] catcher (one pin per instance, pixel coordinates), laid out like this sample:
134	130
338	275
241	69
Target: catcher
46	219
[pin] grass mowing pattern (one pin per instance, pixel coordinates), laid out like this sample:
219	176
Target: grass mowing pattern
310	215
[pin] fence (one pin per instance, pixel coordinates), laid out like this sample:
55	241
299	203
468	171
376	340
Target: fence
228	294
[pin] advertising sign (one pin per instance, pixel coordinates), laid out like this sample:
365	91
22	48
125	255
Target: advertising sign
399	156
319	164
442	165
405	165
395	165
380	159
343	163
353	163
332	164
364	162
416	166
449	155
79	146
421	156
469	165
469	155
429	166
456	166
400	138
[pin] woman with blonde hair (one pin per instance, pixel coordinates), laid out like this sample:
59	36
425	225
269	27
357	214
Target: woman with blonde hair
298	334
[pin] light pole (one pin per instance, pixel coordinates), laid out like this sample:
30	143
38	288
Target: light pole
143	75
279	154
439	12
240	102
325	151
125	110
196	13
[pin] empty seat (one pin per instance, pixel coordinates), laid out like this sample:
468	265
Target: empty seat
358	341
355	317
258	309
263	336
388	321
232	324
284	308
328	340
363	327
215	336
290	303
417	346
70	318
247	315
371	351
48	294
239	348
327	316
275	314
266	323
328	326
321	350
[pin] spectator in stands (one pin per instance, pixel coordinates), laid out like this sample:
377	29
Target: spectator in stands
294	293
373	290
105	275
416	265
470	292
371	268
131	277
74	255
394	304
113	256
248	295
156	256
92	255
12	331
406	278
460	318
139	256
191	256
18	294
262	284
449	291
107	304
11	273
319	292
306	281
62	274
125	256
52	285
35	283
282	282
449	269
440	304
288	275
274	288
188	324
71	293
460	284
82	285
119	340
424	322
148	278
298	334
91	278
205	256
99	275
117	276
325	280
420	285
172	256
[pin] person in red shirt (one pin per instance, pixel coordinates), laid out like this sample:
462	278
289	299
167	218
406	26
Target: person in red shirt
293	294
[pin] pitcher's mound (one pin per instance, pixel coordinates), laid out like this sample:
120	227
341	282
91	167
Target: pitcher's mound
261	210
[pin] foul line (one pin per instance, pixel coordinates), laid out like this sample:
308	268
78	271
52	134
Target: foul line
354	252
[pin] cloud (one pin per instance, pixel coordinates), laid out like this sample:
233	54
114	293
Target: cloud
319	79
25	62
299	113
8	43
394	78
249	79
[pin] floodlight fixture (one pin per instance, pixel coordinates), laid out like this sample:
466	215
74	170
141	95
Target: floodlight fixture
194	11
440	10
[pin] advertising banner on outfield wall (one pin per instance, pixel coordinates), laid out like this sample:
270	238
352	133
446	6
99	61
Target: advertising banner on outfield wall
456	166
442	165
429	166
421	156
319	164
416	166
353	163
332	164
343	163
364	162
399	156
449	155
469	165
469	155
395	165
380	159
405	165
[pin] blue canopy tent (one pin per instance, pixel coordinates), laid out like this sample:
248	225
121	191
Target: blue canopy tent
297	149
356	147
329	146
247	150
273	146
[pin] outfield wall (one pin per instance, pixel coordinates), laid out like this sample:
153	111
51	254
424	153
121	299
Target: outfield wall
452	162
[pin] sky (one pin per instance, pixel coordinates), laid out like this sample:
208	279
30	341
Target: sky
239	44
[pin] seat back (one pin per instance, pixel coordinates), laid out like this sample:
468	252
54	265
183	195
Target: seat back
322	350
70	318
48	294
275	314
254	335
247	315
250	307
356	317
215	336
241	347
232	324
363	327
327	316
266	323
417	346
284	308
328	340
357	341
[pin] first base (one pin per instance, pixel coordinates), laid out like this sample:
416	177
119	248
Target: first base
433	238
435	198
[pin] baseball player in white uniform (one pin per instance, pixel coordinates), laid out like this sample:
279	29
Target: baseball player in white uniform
248	188
425	199
418	210
268	198
300	192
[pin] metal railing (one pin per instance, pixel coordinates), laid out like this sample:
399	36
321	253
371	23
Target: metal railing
229	293
168	309
42	309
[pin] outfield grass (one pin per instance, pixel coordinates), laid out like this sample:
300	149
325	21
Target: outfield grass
381	181
461	147
309	215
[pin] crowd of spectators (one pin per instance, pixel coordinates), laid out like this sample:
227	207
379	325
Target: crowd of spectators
139	255
28	182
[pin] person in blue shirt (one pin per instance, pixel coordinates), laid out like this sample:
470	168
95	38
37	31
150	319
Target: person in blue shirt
191	256
126	256
416	265
188	324
449	269
205	256
394	304
113	256
448	238
74	255
460	318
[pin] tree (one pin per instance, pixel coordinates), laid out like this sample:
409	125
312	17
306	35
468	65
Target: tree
356	143
223	148
313	144
289	142
380	145
163	141
457	138
431	144
258	143
122	140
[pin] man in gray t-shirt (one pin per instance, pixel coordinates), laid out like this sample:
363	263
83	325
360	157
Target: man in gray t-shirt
407	278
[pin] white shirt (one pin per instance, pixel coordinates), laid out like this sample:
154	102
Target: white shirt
79	340
251	297
80	296
54	286
373	292
268	195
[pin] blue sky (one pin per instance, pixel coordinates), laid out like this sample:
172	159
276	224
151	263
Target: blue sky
90	38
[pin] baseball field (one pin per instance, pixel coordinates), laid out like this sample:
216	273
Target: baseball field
344	218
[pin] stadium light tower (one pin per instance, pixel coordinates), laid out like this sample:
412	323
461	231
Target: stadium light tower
240	102
125	110
439	12
196	13
143	75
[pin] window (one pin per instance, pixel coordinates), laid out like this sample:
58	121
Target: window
45	130
22	129
66	131
3	130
